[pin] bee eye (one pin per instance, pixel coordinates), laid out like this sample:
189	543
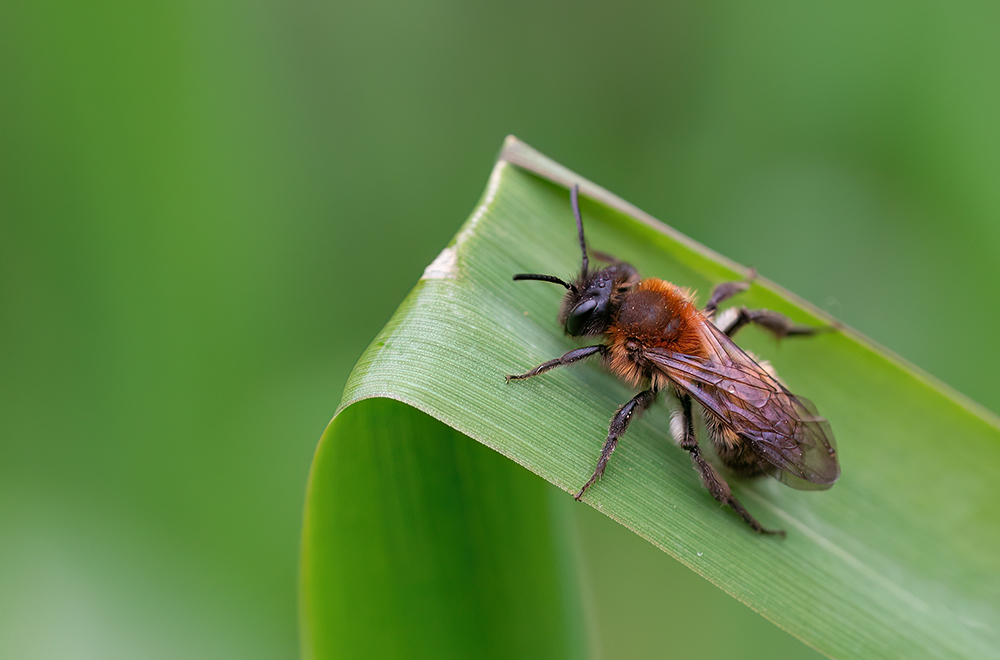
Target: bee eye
580	316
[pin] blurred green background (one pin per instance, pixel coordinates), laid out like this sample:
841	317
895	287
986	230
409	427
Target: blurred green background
208	209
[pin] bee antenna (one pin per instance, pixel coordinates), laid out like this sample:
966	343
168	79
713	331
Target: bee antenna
543	278
574	194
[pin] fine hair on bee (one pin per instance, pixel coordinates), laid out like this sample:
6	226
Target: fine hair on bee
655	339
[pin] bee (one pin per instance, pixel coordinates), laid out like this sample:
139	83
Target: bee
655	339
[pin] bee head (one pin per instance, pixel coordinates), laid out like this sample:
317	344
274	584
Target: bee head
592	298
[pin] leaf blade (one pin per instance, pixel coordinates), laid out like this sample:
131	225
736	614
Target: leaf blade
419	542
894	560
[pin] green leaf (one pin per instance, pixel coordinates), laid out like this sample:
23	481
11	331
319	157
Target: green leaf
899	559
417	539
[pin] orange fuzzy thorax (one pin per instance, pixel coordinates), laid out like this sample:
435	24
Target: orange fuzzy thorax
657	314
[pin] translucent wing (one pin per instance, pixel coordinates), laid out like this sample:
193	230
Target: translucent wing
785	430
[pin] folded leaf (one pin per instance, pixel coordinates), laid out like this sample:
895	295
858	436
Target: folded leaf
899	559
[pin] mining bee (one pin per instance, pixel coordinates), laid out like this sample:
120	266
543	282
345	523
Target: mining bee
657	340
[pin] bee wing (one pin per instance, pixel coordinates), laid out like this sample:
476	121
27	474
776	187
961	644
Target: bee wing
784	429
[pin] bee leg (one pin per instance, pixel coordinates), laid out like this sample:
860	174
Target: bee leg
575	355
619	423
713	481
777	324
725	291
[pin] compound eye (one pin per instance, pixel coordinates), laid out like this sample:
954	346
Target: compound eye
580	315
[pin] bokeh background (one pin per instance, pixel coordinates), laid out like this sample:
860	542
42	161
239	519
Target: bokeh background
208	209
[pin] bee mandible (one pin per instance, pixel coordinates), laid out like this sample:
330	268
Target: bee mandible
657	340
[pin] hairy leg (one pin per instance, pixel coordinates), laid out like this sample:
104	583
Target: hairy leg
731	321
713	481
777	324
725	291
619	424
575	355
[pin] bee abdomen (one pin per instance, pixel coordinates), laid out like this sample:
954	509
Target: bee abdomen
735	453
